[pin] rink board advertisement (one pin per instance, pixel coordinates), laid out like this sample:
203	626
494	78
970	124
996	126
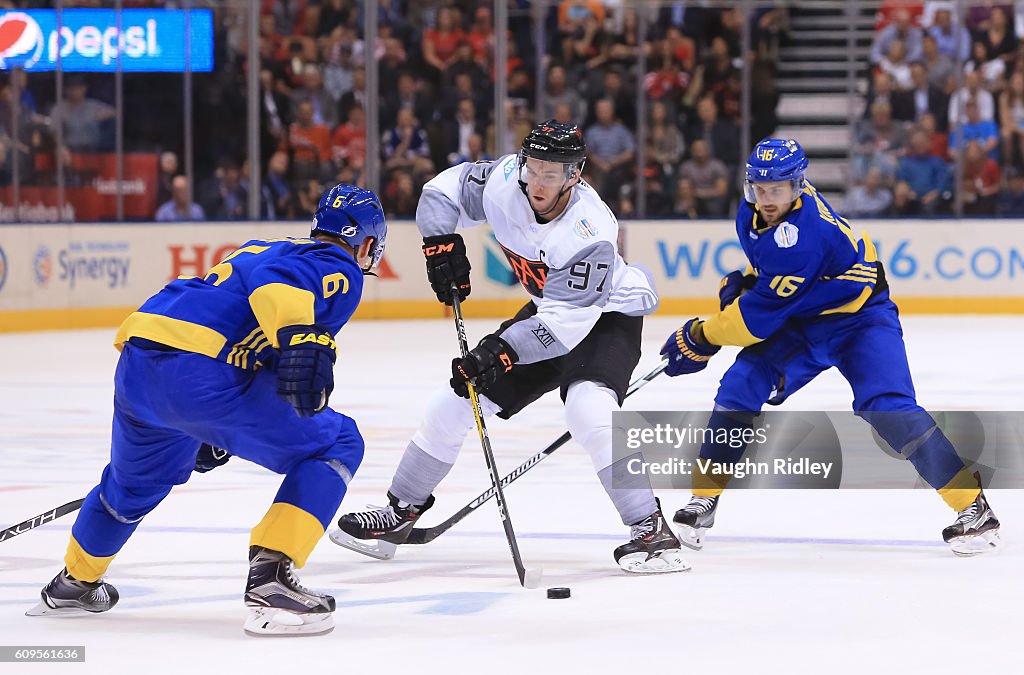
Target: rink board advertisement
80	275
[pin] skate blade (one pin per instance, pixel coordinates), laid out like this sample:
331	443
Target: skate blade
691	537
669	560
273	622
975	544
375	548
43	609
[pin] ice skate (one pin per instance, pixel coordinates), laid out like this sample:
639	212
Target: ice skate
67	595
651	549
278	604
696	518
975	531
378	532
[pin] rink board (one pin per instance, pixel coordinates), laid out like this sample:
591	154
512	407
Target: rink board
92	275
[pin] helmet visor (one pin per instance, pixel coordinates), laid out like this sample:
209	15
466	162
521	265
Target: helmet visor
540	173
774	193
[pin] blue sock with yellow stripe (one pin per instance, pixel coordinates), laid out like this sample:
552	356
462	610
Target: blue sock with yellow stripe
303	508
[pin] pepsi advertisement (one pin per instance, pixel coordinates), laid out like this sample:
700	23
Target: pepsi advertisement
90	40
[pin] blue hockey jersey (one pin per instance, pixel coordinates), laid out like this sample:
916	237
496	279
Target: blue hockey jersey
810	264
234	312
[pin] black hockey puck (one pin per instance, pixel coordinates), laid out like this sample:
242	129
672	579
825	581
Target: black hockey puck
558	593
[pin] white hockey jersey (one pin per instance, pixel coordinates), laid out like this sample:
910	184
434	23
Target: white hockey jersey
569	265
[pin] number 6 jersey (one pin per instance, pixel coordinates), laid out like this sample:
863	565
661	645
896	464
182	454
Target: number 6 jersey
569	265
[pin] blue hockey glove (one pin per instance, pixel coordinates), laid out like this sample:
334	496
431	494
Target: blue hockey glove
209	458
734	284
685	354
447	266
486	362
305	369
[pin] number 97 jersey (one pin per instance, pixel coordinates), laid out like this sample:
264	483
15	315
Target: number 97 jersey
233	313
570	265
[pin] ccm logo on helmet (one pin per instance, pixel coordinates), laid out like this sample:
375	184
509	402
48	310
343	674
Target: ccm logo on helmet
538	146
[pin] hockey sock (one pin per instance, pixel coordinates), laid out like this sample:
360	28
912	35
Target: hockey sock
304	506
588	413
417	475
110	514
914	434
435	446
723	426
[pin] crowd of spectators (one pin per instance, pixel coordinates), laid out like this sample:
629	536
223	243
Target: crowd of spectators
437	73
943	90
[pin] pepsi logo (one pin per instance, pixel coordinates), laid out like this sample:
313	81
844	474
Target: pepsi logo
21	40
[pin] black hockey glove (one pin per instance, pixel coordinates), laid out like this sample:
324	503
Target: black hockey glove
733	285
305	369
486	362
447	266
209	458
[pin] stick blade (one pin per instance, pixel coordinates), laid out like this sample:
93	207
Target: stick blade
532	577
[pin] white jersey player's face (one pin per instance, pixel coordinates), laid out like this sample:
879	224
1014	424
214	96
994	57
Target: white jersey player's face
546	184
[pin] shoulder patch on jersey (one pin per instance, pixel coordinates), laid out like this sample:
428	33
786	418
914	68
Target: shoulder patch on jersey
786	235
510	166
584	229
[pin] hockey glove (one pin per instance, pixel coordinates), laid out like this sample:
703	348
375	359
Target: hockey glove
447	266
734	284
305	369
685	354
209	458
486	362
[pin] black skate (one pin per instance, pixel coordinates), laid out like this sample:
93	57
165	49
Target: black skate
975	531
378	532
67	595
696	518
651	549
278	604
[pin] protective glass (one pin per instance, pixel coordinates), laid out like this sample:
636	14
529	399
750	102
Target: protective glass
545	174
779	192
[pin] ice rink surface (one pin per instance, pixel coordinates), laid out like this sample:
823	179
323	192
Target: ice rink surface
848	581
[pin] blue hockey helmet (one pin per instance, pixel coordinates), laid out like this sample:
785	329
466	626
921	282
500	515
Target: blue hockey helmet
775	160
352	214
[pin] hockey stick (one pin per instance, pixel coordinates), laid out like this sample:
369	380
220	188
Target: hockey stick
425	535
41	519
527	578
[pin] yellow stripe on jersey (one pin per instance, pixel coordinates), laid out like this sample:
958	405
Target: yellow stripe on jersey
251	343
861	274
184	335
288	529
279	305
236	350
83	566
961	490
728	328
854	305
870	252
